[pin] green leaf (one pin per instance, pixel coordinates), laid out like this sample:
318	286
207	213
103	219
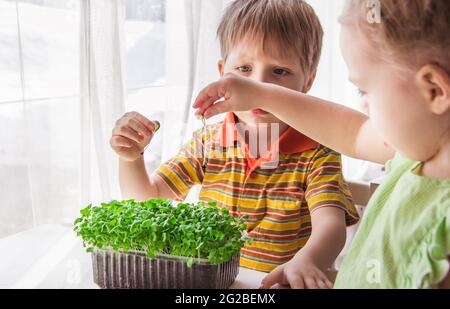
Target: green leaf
86	211
197	230
190	262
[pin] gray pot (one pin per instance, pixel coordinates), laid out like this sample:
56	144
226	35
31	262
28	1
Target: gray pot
134	270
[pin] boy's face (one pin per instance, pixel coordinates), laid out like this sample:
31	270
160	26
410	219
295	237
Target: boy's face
250	60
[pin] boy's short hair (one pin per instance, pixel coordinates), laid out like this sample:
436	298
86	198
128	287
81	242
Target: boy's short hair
292	24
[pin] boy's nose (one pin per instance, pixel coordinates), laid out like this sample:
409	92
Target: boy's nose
261	77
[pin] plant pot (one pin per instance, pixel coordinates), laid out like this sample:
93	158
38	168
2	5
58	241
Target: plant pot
134	270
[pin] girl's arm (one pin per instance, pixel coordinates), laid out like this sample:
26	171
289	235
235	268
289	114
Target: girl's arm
338	127
335	126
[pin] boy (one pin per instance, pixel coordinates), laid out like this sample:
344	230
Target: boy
293	193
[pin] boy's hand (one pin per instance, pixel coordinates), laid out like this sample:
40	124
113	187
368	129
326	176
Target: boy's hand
131	134
235	93
298	273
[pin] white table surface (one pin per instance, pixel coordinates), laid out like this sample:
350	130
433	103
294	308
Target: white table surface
52	256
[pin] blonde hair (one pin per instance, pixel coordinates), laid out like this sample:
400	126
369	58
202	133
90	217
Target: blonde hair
413	32
292	24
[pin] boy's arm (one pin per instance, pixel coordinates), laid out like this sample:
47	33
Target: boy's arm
136	184
130	135
308	267
340	128
327	238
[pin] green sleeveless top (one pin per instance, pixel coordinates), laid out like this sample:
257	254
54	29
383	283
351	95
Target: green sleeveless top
404	237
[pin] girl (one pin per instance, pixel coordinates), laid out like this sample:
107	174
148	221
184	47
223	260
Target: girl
401	65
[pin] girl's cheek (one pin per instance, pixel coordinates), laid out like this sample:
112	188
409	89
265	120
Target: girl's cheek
374	111
384	118
365	107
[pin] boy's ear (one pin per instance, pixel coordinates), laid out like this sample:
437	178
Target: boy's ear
310	82
434	85
220	67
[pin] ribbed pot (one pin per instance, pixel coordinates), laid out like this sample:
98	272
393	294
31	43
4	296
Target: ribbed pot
134	270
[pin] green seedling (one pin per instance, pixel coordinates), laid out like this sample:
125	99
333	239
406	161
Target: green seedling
158	227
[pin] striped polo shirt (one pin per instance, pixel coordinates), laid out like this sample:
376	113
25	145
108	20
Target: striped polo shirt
277	193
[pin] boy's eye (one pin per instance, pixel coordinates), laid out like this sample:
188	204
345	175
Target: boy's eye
280	71
244	69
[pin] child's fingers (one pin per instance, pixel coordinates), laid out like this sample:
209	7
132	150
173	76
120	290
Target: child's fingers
297	283
276	276
217	109
120	141
205	105
328	283
126	131
310	283
137	126
207	94
152	126
322	284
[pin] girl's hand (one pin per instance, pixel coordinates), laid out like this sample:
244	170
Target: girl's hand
232	93
131	134
298	273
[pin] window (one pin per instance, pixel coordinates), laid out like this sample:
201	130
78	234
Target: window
39	111
37	62
145	43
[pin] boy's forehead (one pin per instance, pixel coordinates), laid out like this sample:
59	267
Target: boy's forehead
268	51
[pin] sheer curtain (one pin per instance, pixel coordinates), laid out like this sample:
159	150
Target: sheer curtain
39	113
62	88
102	96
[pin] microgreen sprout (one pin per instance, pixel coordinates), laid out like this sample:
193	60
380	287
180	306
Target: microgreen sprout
157	226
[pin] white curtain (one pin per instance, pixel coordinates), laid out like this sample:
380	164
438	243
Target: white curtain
56	120
39	114
102	96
